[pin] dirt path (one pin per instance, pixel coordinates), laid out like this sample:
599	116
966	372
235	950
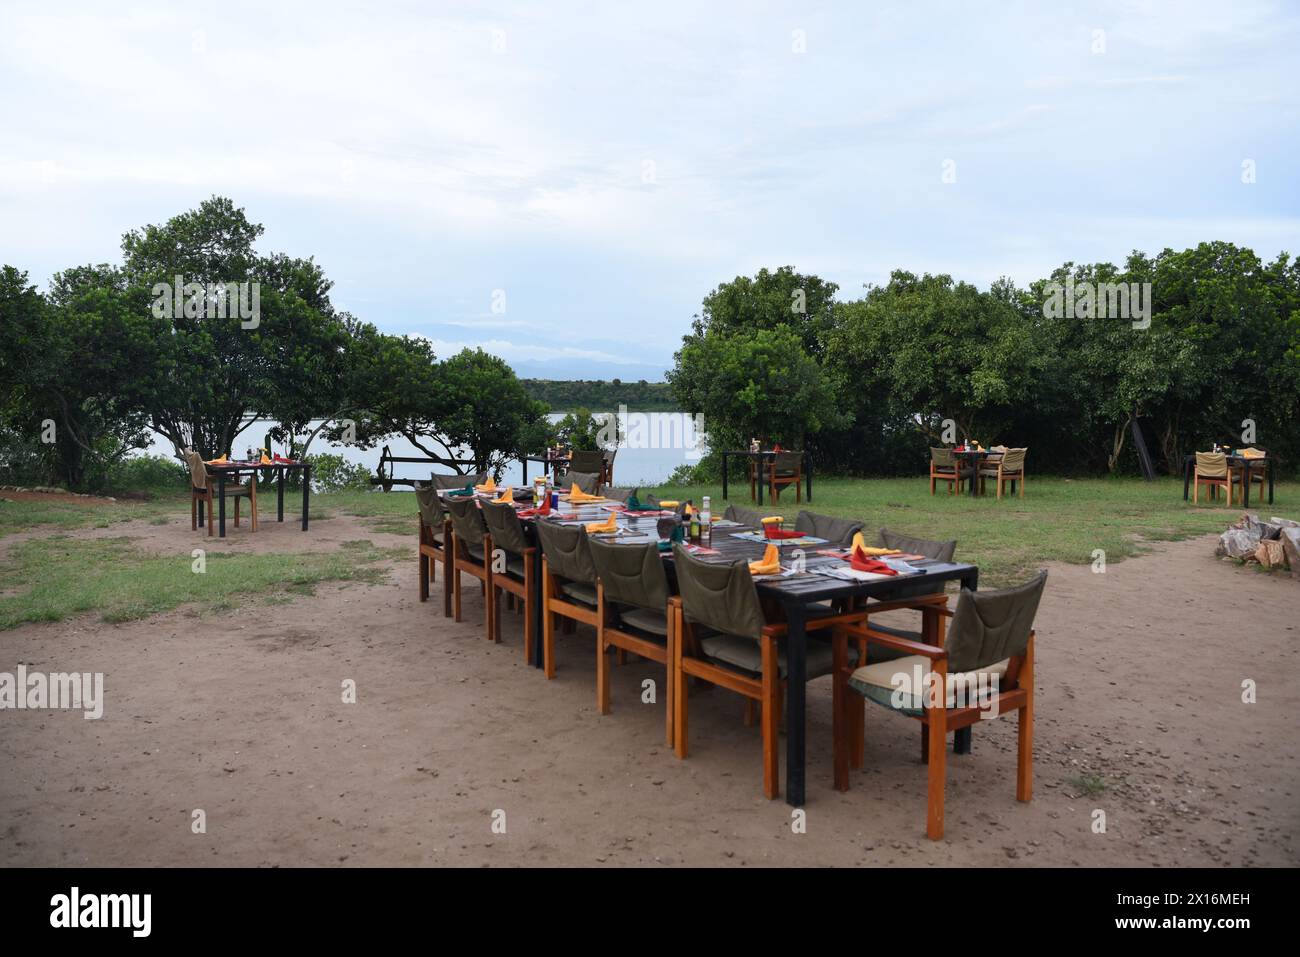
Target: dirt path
1140	672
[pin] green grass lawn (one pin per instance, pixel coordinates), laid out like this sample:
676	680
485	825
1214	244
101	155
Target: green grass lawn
49	579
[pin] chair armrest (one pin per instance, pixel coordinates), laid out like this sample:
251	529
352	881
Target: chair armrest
906	645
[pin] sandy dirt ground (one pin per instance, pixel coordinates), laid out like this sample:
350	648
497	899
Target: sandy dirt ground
1139	684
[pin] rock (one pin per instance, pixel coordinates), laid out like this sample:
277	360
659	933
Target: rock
1269	553
1291	549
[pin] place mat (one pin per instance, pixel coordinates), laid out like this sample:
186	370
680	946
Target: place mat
762	539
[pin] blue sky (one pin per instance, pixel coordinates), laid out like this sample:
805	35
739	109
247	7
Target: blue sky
607	165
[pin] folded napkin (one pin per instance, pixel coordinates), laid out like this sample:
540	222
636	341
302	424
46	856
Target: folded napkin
578	495
220	461
489	486
467	490
609	525
862	563
508	498
771	531
266	460
542	512
669	504
769	564
860	545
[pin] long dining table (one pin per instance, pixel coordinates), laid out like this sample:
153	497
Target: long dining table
795	593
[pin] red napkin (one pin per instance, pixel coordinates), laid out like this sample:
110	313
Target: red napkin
531	512
771	531
862	563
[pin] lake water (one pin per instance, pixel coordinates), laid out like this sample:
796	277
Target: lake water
633	466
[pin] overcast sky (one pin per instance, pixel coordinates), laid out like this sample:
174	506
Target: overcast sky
605	165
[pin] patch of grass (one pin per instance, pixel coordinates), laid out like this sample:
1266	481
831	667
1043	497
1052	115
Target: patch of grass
1059	519
55	578
1088	785
23	516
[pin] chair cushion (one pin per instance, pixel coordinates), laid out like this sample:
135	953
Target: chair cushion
744	654
580	592
876	682
648	620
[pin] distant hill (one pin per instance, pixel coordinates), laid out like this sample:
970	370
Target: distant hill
601	395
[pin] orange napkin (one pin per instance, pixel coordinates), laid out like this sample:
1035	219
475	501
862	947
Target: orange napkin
609	525
220	461
507	498
769	564
669	504
859	544
578	495
489	486
266	460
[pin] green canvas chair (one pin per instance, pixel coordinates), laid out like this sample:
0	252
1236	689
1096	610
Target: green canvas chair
836	531
470	547
944	468
983	668
435	536
751	518
785	469
456	480
201	493
619	494
514	561
723	637
632	615
1009	468
588	482
568	584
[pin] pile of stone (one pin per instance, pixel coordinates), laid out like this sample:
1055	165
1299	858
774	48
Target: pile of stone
1273	544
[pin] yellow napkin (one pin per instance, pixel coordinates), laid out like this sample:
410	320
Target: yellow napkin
669	504
609	525
869	550
769	564
772	519
220	461
489	486
578	495
507	499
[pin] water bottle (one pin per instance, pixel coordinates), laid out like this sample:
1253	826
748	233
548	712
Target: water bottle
706	520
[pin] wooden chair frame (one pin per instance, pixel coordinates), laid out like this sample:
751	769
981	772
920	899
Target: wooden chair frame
555	604
462	562
203	496
1003	476
777	482
1215	482
432	553
937	722
521	594
608	636
765	689
953	476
